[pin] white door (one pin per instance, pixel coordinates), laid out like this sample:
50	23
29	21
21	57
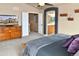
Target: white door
40	23
25	24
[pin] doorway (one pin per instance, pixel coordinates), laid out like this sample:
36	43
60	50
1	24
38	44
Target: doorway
33	22
50	21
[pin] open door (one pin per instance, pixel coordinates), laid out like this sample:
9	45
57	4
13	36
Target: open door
51	21
33	21
50	17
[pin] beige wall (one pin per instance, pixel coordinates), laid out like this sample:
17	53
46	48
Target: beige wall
65	26
16	9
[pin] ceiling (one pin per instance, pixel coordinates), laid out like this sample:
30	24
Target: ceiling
36	4
46	6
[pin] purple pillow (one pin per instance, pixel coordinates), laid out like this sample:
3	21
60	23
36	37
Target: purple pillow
74	46
69	40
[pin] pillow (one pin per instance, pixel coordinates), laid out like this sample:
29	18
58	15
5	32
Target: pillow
74	46
69	40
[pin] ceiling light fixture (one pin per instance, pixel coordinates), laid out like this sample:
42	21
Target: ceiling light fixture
41	4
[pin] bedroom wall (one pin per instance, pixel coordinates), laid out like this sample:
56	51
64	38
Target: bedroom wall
65	26
16	9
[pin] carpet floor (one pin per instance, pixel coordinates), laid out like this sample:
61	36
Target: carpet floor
14	47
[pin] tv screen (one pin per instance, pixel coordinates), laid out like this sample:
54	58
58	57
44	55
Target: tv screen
6	17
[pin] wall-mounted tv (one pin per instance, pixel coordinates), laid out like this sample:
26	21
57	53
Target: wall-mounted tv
6	17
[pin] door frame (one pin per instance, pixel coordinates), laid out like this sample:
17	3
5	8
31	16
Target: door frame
56	19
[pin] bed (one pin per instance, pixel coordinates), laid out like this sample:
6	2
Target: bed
54	49
47	46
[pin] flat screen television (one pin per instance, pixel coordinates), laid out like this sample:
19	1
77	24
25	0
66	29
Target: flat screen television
6	17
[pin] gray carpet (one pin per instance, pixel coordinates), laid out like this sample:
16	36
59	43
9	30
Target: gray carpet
13	47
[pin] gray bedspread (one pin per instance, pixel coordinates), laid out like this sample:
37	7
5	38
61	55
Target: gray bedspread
54	49
33	46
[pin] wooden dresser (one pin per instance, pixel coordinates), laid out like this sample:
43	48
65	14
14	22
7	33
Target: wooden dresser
9	33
